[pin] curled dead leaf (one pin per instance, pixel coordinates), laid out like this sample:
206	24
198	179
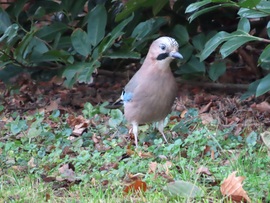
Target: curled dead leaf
206	108
136	187
183	114
232	187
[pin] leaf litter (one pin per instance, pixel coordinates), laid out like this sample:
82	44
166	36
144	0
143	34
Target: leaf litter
50	96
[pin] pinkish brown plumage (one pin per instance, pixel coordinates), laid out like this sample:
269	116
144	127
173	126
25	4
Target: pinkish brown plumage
149	95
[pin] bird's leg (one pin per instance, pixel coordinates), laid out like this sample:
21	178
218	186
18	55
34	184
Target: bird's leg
161	128
135	132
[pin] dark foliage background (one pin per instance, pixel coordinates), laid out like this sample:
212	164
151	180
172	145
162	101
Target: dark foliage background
221	40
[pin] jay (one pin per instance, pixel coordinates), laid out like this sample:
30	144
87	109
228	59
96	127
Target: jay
150	94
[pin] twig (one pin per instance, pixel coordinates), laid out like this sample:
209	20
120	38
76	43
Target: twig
242	87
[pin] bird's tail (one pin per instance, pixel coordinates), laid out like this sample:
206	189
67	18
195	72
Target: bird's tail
115	105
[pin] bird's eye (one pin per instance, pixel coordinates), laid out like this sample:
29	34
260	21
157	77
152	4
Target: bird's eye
163	47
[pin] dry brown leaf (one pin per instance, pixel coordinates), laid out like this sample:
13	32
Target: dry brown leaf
145	154
206	108
166	166
206	118
262	107
108	166
183	113
136	186
152	167
80	128
203	170
67	173
31	163
52	106
232	188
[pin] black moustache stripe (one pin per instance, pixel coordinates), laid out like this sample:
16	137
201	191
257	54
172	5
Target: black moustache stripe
162	56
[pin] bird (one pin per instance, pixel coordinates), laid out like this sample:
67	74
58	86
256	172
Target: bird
149	95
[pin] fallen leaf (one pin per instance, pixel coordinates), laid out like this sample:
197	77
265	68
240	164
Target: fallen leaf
183	189
262	107
152	167
31	163
108	166
166	166
53	106
136	187
203	170
80	128
67	173
232	188
206	108
206	118
48	197
183	114
145	154
266	138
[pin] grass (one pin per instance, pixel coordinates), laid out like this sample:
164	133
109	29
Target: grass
36	147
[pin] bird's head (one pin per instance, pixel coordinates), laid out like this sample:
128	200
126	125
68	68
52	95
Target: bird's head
163	50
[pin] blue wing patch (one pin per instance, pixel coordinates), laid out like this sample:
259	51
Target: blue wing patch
126	96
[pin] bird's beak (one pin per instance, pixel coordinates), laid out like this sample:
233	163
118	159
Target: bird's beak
176	55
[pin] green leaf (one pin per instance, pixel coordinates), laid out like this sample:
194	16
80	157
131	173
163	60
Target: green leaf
123	55
264	59
199	41
97	20
4	21
71	72
116	118
73	7
181	188
268	29
18	126
264	86
264	6
197	5
251	139
249	3
213	43
186	51
251	90
244	25
53	55
80	42
216	70
148	27
39	13
9	71
10	33
206	10
181	34
131	6
159	5
48	32
19	52
247	13
193	66
86	74
35	49
108	41
237	39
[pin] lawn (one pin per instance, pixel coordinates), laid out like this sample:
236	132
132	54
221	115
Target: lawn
53	153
